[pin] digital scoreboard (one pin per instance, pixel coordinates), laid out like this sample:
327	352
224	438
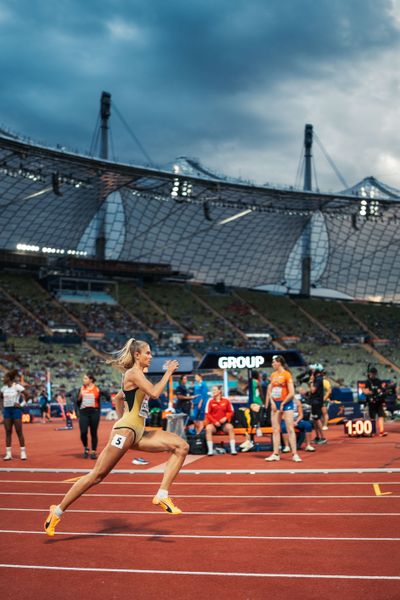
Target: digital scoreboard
360	428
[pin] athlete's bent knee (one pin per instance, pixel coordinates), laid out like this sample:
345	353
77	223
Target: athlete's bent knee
98	476
182	448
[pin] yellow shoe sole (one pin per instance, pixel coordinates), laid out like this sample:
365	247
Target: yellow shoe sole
51	522
167	505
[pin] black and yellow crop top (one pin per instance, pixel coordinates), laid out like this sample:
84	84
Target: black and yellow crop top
136	410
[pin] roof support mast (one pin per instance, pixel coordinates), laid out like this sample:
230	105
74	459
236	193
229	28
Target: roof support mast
306	250
105	112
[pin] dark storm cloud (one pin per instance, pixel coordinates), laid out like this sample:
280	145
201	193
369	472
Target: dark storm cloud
185	75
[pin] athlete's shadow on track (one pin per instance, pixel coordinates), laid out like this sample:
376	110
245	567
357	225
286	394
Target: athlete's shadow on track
117	526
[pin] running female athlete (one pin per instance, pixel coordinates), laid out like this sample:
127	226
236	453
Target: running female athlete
281	393
128	432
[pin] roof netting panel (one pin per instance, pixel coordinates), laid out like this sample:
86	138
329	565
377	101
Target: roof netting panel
239	252
209	227
364	258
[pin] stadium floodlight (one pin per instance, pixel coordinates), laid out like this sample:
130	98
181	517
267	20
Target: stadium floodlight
22	171
239	215
369	208
374	208
181	187
175	188
363	208
28	248
49	250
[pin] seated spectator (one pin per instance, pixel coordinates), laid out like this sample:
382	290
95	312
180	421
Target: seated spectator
219	413
304	427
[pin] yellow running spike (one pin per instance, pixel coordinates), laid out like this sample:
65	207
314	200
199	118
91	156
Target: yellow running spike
167	505
51	522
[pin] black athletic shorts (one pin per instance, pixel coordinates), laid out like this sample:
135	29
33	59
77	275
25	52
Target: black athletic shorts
316	409
376	410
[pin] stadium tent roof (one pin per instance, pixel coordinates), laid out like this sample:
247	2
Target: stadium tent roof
209	226
370	187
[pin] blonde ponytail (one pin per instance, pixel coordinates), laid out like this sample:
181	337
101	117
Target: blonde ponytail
124	359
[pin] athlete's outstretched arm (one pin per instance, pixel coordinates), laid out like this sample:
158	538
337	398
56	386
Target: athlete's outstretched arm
136	378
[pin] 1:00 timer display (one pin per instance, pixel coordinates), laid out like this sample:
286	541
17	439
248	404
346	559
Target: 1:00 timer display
359	428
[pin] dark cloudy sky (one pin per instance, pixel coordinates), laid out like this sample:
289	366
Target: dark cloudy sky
230	82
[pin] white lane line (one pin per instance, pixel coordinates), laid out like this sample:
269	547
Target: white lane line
209	537
205	573
209	483
226	513
162	466
199	496
290	471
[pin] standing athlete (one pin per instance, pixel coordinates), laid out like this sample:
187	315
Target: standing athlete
89	414
12	413
128	432
281	394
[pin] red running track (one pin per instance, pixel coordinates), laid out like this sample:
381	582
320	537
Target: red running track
283	535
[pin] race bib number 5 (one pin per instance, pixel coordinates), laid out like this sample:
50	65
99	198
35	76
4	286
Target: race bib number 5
118	440
276	392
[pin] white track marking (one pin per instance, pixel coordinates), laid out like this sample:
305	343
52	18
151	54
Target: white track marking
162	466
205	573
290	471
209	537
267	496
209	513
204	483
